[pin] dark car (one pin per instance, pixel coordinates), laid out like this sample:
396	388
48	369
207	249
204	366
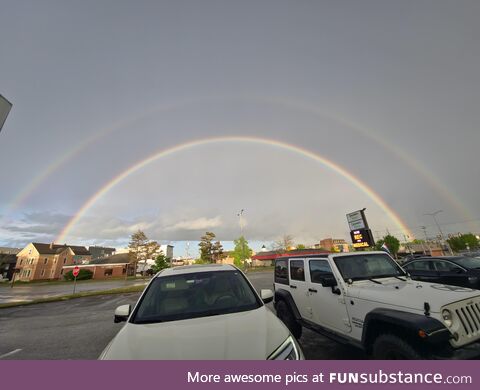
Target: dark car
452	270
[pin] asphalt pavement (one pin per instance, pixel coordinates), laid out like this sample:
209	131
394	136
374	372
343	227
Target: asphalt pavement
30	292
81	328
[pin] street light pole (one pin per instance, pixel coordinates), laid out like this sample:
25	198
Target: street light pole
434	215
240	221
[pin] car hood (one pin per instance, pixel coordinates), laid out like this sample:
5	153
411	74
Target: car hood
409	294
248	335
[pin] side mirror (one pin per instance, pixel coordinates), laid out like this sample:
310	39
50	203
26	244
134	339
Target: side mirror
121	313
266	295
328	281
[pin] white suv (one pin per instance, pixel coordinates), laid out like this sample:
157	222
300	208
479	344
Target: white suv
367	300
201	312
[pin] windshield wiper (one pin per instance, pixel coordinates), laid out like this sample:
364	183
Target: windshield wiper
399	278
375	281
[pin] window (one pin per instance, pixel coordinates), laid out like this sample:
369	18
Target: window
108	272
367	266
419	266
42	273
194	295
446	266
297	270
61	272
45	261
21	261
281	271
64	260
318	270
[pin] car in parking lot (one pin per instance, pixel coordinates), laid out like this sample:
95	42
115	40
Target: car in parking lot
201	312
462	271
366	300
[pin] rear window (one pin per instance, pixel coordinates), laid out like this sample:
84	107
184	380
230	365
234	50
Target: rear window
281	271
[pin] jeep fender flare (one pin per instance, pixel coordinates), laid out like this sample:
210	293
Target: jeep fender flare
285	296
434	332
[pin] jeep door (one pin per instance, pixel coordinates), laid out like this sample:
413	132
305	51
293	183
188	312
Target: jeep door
328	303
298	287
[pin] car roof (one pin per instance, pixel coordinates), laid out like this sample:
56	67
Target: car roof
324	255
190	269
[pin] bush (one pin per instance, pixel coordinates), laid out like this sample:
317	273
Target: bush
84	274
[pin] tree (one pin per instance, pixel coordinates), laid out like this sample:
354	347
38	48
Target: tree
217	251
284	243
83	274
149	251
160	263
391	242
206	247
301	246
241	252
461	242
138	240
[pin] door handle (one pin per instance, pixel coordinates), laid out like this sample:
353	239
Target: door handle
312	290
293	286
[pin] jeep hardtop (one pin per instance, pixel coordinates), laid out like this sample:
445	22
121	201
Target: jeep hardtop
368	300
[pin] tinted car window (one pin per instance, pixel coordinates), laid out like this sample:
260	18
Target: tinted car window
318	270
419	266
297	270
367	266
445	266
281	271
193	295
468	262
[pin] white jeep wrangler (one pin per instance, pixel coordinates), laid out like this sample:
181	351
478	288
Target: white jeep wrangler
366	299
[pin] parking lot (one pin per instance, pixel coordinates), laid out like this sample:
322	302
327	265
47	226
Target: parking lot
81	328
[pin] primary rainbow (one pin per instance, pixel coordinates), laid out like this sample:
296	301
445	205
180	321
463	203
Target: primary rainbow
233	139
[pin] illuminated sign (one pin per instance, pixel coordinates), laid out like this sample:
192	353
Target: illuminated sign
362	238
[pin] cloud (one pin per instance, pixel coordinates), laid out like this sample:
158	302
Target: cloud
202	223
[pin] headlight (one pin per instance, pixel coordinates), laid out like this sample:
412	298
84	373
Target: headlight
289	350
447	317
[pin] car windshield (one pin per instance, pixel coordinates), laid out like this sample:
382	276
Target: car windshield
193	295
468	262
368	266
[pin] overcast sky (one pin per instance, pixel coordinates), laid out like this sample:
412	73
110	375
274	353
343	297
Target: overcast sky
388	90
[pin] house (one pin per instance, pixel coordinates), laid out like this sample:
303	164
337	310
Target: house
38	261
114	266
7	265
99	252
333	245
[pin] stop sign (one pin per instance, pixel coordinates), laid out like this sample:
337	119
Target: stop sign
76	270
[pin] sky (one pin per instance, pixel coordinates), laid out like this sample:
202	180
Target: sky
298	112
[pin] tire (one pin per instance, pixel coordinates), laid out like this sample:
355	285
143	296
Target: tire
286	316
391	347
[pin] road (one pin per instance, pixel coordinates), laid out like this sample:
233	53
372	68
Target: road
81	328
24	292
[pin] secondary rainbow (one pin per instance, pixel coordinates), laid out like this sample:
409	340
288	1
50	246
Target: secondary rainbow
235	139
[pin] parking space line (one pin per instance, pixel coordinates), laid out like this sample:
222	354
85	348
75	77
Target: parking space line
10	353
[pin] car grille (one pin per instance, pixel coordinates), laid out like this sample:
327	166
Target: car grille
469	316
466	324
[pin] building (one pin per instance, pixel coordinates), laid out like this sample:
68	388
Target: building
39	261
333	245
227	258
100	252
167	251
114	266
7	265
267	258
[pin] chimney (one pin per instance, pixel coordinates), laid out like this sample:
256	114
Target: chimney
51	245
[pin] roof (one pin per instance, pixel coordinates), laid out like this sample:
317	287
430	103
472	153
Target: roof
52	249
121	258
272	255
190	269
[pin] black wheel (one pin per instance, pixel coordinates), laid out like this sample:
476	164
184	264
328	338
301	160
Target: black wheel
391	347
286	315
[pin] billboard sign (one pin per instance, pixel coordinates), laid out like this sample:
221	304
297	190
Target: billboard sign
359	231
5	107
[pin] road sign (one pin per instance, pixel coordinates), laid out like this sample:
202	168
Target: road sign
76	271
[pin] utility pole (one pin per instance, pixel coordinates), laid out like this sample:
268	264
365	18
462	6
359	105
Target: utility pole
424	228
434	215
242	225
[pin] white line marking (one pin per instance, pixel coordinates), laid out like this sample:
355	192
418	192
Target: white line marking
10	353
